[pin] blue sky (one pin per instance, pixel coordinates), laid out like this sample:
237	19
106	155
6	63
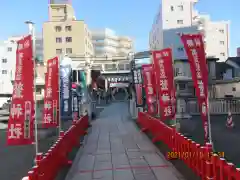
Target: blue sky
127	17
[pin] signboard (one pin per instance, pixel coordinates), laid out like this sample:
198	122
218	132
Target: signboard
138	85
66	91
118	85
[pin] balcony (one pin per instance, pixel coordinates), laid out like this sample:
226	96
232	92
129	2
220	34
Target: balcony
184	93
106	42
123	50
182	76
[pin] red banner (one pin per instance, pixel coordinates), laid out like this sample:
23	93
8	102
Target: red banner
148	81
139	93
21	119
194	48
163	66
51	94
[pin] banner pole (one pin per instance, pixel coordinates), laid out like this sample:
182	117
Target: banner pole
59	100
32	33
209	123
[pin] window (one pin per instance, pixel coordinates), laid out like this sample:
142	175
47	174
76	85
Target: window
221	30
4	71
58	28
180	7
68	28
58	51
177	70
180	49
9	49
68	39
58	40
69	50
233	88
222	54
4	60
180	21
172	9
182	86
222	42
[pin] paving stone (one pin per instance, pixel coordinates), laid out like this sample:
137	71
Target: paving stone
103	165
135	155
103	158
116	150
138	162
108	174
86	162
153	159
146	177
165	173
123	175
84	176
145	170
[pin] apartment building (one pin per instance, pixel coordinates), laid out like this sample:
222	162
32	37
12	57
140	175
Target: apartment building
238	52
180	17
107	43
64	34
8	63
156	33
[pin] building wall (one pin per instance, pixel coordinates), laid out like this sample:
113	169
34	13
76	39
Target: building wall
81	39
181	17
61	12
106	42
171	39
228	88
182	68
216	36
238	52
156	34
8	61
63	34
177	14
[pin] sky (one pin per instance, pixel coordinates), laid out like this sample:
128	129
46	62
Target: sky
132	18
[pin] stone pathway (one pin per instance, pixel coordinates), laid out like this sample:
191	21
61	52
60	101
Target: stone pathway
116	150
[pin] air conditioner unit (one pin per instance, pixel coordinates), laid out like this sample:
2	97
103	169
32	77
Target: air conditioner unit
180	73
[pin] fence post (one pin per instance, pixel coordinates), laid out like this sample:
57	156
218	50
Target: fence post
238	173
209	170
38	158
222	164
230	170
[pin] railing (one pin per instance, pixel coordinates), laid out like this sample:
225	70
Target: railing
217	106
49	165
205	163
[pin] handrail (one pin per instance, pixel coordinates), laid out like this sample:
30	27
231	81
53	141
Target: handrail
201	159
48	165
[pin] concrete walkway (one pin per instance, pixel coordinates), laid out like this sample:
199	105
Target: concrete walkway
116	150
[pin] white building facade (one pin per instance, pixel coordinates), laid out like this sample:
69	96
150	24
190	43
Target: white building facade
8	64
238	52
179	16
107	43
